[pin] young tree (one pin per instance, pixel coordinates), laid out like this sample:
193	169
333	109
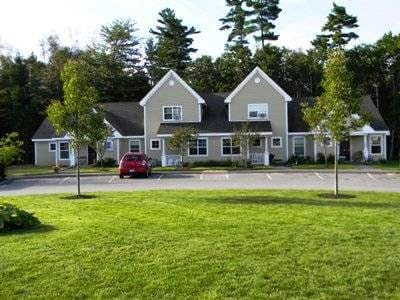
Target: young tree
263	12
335	37
10	151
99	141
79	115
244	137
174	42
235	21
180	140
337	105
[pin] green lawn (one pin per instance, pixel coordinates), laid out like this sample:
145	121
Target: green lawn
342	166
27	170
205	244
390	165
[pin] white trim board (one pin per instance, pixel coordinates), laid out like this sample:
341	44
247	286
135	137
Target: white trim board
171	73
258	70
215	134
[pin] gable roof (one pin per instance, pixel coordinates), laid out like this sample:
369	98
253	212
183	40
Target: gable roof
215	119
297	124
170	73
258	70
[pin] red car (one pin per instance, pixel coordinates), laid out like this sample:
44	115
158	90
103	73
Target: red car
134	163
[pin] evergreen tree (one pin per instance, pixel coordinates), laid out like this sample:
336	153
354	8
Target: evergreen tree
153	71
263	12
121	43
232	67
174	42
335	37
202	74
235	21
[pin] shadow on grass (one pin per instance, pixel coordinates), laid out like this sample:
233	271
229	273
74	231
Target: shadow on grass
76	197
43	228
328	202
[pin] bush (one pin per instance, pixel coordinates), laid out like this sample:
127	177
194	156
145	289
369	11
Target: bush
11	217
299	160
331	159
212	163
271	158
107	162
2	171
320	158
358	157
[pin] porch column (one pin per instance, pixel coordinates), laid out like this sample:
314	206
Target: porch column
315	149
248	150
365	150
163	156
57	152
118	154
266	153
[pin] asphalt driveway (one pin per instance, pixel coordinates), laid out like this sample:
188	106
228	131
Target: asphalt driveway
389	182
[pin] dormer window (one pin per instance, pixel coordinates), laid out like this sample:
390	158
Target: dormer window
258	111
172	113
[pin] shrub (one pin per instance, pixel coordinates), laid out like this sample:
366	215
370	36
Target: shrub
2	171
331	159
271	158
11	217
320	158
298	160
212	163
358	157
107	162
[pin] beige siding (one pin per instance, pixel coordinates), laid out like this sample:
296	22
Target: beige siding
309	145
43	156
168	95
262	92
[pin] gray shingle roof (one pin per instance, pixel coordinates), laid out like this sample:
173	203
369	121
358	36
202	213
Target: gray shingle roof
127	118
297	124
215	119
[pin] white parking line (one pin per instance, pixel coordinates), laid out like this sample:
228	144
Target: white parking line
372	177
64	180
269	177
112	179
201	176
319	176
159	178
227	176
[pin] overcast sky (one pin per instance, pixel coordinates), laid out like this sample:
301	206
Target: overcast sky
24	23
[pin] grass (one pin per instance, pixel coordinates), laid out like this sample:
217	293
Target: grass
31	170
390	165
342	166
205	244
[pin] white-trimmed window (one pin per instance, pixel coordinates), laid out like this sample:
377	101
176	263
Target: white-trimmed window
228	148
64	150
299	146
108	145
198	147
376	146
327	142
257	111
52	147
257	142
155	144
172	113
134	146
276	142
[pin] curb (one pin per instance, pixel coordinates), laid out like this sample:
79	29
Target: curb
297	171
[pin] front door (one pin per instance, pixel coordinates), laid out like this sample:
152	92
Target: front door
344	150
92	155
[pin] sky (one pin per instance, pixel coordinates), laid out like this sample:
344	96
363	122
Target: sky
25	23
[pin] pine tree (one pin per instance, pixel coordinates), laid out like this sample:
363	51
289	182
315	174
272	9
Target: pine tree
235	21
121	43
174	42
263	13
335	37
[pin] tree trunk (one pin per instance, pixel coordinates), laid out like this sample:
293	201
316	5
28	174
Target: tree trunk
325	156
78	174
392	145
336	189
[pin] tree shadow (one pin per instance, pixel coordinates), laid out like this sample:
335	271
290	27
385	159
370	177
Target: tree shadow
338	197
328	202
80	197
42	228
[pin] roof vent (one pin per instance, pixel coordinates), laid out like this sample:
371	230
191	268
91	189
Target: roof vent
257	80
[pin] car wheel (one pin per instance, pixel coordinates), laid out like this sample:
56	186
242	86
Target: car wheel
121	176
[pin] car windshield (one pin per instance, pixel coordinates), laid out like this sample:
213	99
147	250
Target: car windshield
133	157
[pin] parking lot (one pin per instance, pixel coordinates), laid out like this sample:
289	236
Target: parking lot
206	180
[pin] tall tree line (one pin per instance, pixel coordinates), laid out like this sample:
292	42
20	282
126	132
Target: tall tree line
121	71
